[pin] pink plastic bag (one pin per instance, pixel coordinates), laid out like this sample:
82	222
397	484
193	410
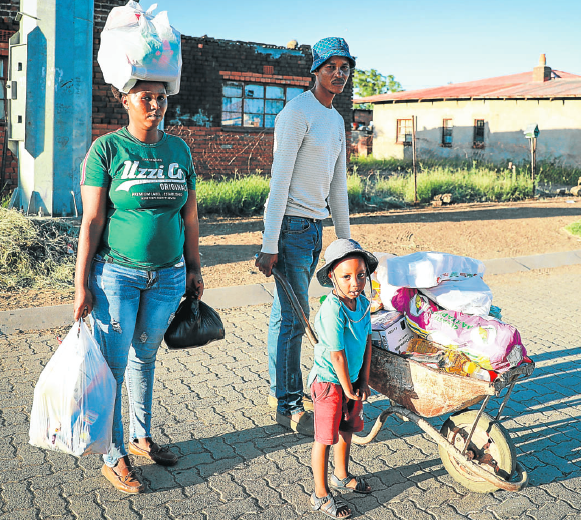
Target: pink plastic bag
486	340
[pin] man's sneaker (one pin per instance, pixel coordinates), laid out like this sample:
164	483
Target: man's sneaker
307	402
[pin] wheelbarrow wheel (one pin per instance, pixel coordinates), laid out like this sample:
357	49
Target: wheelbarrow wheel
490	447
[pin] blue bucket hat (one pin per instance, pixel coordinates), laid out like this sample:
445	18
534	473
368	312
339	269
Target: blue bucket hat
327	47
339	249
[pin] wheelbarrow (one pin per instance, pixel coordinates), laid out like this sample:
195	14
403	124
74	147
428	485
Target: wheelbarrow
475	448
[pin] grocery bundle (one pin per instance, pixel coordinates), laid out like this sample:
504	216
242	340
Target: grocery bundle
437	309
135	45
72	410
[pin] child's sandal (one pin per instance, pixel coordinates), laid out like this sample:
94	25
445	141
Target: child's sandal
341	484
330	505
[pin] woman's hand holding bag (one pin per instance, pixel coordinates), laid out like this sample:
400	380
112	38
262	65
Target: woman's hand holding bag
194	325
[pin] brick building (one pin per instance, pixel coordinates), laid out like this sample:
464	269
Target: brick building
230	93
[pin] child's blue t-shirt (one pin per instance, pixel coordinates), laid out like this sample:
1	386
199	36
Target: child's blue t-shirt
339	328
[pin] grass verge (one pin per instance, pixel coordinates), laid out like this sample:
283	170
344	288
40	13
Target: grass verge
574	228
550	171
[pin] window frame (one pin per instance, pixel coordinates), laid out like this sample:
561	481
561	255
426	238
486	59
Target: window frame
243	112
407	126
479	141
447	131
3	81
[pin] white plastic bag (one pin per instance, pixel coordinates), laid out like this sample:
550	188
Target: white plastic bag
72	410
135	45
469	296
429	268
386	290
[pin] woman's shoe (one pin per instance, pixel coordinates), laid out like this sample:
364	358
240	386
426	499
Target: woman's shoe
122	476
159	455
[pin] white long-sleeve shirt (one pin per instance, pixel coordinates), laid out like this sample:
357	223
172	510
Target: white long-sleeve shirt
309	170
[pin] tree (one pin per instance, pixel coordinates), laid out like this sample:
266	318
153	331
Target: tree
371	82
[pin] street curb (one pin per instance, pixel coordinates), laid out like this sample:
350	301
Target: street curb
40	318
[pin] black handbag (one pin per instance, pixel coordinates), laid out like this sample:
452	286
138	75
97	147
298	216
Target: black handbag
195	324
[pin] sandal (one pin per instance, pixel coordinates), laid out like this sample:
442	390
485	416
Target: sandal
330	505
341	484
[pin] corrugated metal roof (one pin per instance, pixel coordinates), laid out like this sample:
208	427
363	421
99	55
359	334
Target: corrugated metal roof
515	86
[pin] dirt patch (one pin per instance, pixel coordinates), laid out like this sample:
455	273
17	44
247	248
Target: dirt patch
481	231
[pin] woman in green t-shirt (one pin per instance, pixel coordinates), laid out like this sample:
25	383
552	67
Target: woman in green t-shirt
138	254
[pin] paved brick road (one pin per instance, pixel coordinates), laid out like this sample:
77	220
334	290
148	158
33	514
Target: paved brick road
237	463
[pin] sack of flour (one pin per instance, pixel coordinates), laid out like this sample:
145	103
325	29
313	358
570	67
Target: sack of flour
135	45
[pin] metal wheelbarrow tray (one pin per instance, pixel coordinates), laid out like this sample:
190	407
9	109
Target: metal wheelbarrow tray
475	448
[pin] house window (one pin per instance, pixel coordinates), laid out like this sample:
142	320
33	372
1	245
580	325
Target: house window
478	133
404	132
254	105
3	78
447	127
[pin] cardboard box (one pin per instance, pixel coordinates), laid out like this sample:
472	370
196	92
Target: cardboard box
390	332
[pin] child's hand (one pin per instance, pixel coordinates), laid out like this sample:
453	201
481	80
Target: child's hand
354	396
364	391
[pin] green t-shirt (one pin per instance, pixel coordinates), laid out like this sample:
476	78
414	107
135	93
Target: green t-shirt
339	328
148	185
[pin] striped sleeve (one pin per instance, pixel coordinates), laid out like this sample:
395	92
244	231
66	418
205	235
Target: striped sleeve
338	198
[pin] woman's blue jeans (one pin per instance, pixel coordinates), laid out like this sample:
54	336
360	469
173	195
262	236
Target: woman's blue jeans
299	247
131	312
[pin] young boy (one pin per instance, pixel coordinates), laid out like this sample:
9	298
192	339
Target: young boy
340	372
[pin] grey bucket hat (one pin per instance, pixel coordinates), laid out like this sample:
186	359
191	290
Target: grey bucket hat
340	249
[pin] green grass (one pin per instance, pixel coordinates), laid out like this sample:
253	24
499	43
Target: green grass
550	171
574	228
239	196
380	192
243	196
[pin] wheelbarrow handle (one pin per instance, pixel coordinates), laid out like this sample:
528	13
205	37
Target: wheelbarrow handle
297	309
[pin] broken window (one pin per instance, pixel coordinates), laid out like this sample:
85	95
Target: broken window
404	132
447	127
478	133
252	105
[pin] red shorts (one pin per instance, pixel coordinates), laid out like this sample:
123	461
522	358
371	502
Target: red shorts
334	412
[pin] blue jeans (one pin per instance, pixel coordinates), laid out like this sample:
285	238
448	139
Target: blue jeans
132	310
299	247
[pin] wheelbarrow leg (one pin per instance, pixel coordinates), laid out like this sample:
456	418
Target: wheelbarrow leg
379	422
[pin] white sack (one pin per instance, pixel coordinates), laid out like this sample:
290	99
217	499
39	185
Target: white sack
429	268
135	45
72	410
386	291
469	296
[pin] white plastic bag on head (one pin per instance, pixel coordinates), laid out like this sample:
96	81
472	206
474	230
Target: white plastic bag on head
72	410
429	268
470	296
135	45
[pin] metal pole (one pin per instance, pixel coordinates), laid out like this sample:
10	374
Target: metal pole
414	159
533	149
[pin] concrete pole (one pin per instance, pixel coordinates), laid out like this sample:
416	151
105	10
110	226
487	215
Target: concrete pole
51	64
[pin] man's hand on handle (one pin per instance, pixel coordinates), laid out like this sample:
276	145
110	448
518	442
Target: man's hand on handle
265	262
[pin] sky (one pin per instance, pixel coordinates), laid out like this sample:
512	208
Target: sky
422	43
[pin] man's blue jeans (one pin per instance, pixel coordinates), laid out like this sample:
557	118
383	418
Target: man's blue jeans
299	247
132	310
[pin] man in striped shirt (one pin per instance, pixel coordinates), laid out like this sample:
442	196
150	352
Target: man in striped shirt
309	183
